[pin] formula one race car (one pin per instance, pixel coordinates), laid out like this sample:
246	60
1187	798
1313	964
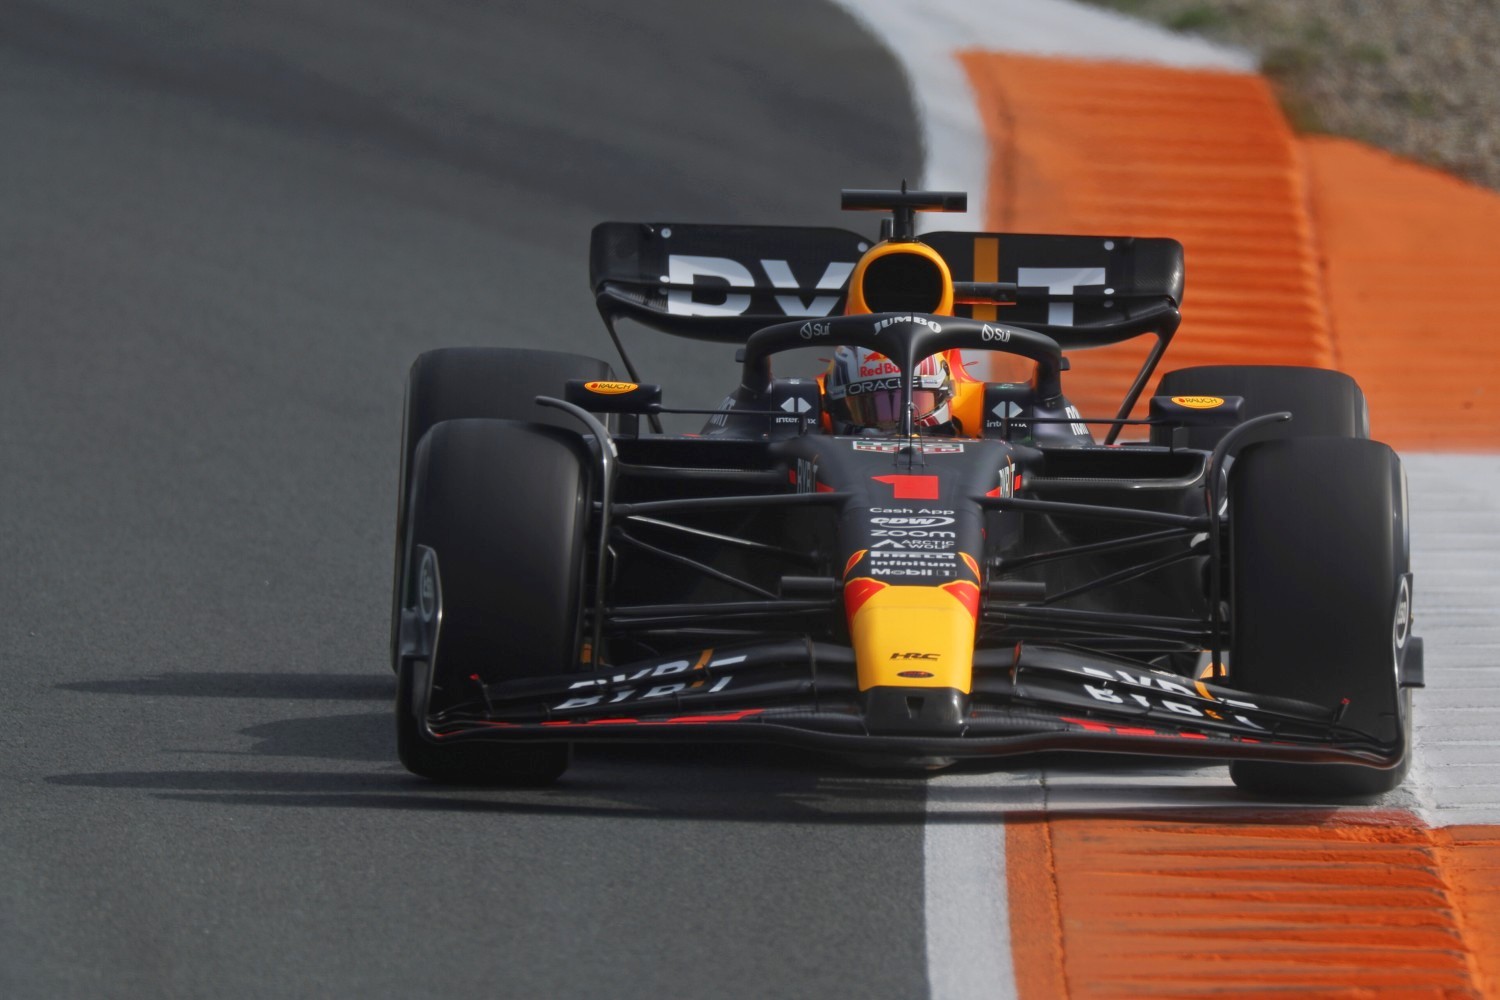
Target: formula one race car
916	569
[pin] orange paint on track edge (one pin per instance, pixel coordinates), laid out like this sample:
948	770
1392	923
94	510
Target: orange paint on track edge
1202	156
1311	251
1304	904
1411	262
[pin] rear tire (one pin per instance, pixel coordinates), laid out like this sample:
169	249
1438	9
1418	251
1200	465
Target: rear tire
1323	403
456	383
498	383
1320	558
504	506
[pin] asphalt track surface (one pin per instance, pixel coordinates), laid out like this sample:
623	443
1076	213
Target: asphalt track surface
225	230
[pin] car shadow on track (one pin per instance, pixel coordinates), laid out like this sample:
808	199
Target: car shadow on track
713	783
719	784
345	736
205	684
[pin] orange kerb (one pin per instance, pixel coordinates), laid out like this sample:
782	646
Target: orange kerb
1305	905
1471	857
1205	157
1411	263
1304	252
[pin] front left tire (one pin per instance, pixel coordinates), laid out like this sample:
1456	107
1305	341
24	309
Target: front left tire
504	507
492	383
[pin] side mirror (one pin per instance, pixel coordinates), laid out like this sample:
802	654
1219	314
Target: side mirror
1178	413
601	396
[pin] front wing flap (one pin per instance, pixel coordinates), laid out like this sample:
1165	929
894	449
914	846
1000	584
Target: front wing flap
803	693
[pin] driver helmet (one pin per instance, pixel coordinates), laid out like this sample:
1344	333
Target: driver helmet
864	390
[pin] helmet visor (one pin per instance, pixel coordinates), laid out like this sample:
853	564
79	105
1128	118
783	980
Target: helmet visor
882	409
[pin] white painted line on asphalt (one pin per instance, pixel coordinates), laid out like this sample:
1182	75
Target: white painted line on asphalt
1455	533
967	912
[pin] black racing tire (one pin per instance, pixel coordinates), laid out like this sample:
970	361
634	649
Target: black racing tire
504	505
457	383
1320	560
1323	403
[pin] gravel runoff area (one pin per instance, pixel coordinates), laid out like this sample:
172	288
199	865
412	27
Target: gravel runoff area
1416	77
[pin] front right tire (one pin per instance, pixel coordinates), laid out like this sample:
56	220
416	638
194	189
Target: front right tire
1321	599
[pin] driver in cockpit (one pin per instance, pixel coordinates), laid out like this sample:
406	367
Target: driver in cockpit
862	393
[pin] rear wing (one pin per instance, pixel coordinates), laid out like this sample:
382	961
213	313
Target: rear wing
722	283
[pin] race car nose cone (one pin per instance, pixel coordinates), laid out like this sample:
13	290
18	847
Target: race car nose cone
915	711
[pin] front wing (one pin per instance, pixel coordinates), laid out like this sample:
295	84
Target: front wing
803	693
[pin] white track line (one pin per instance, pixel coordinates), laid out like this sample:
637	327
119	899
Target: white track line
965	893
1455	533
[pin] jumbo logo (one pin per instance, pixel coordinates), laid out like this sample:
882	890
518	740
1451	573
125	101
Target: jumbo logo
610	388
688	275
1198	402
914	320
